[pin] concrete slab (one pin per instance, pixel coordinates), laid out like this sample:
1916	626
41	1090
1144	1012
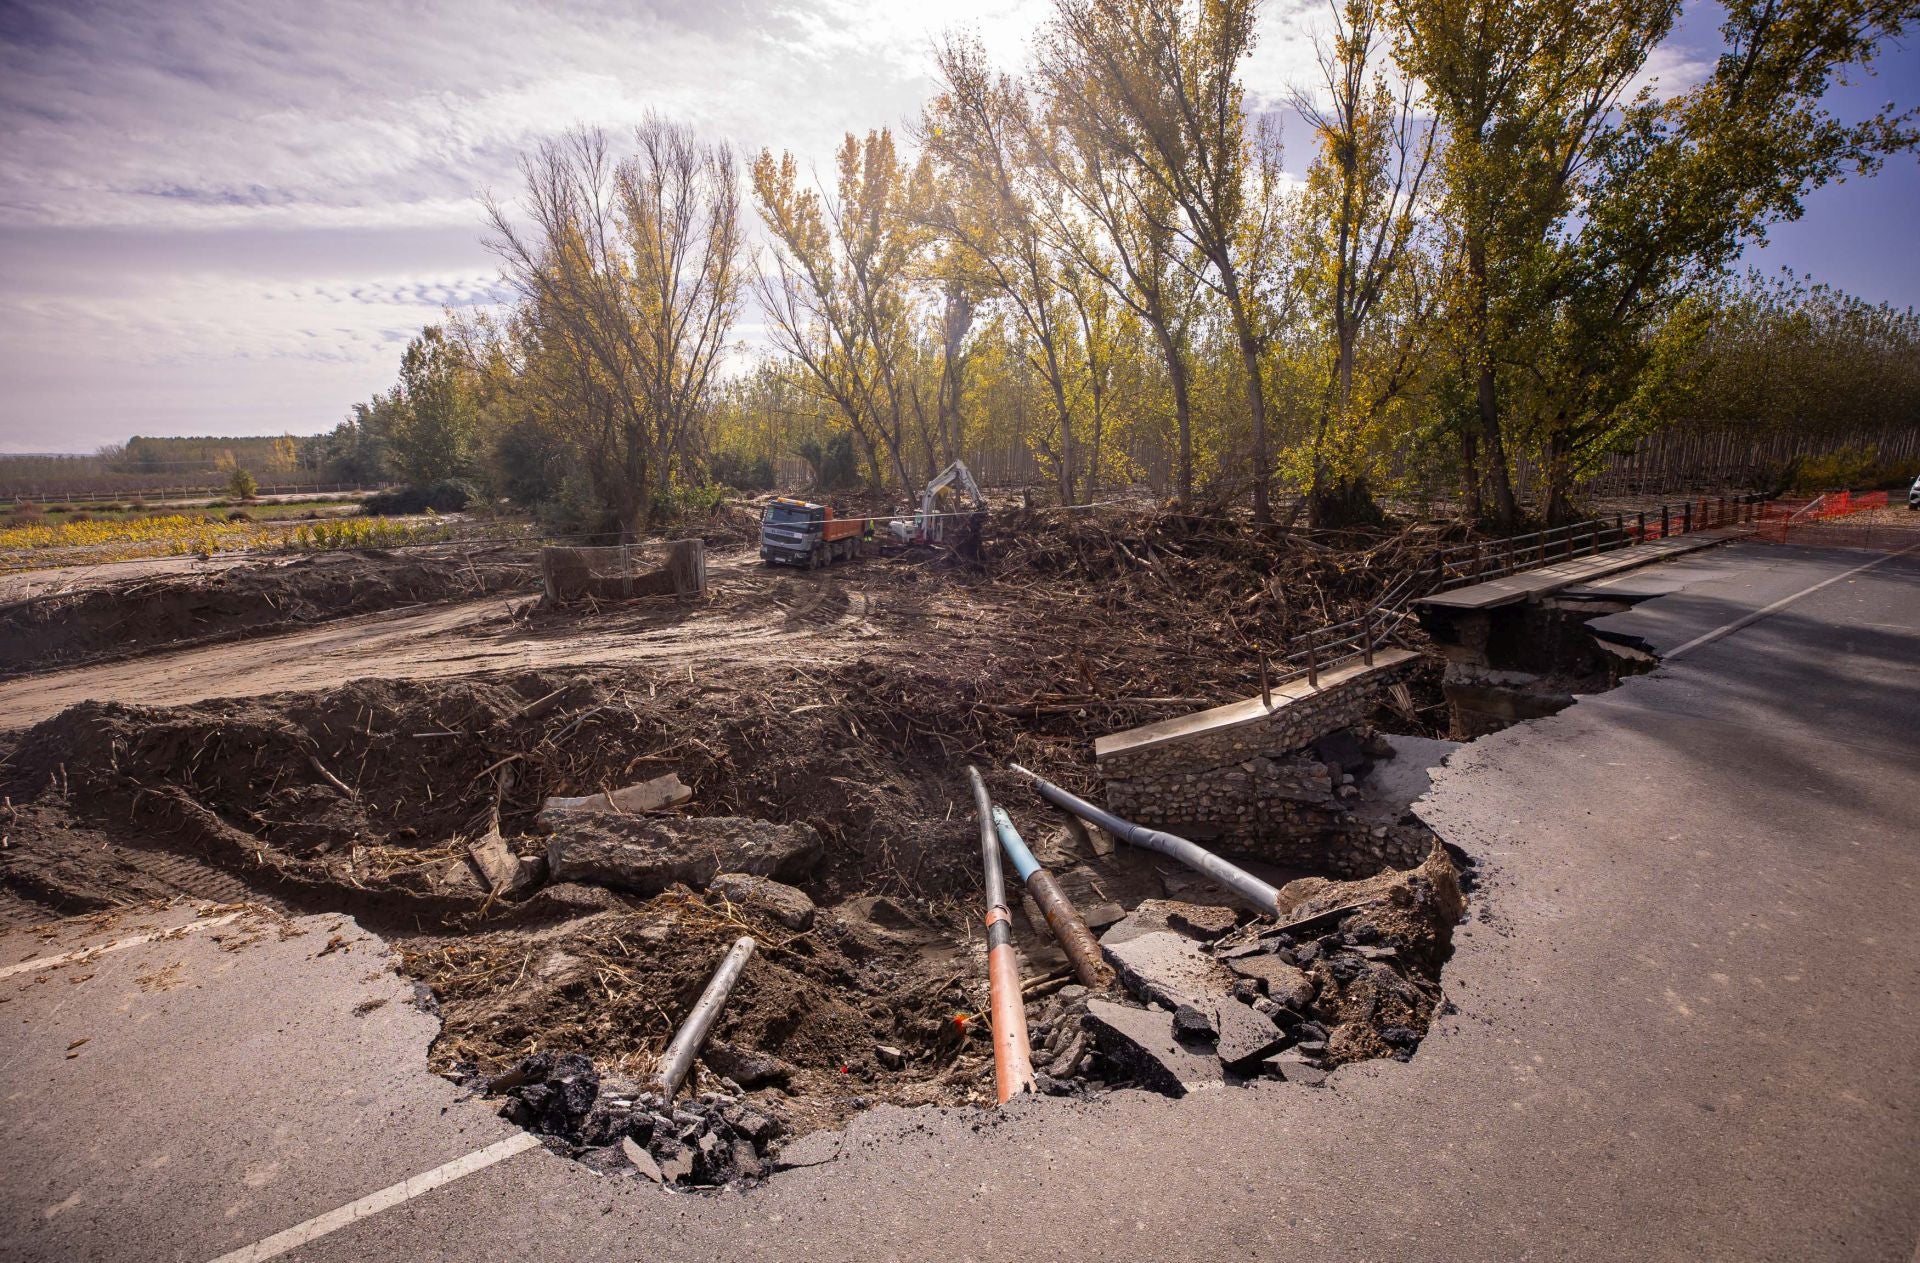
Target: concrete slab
1544	580
1251	711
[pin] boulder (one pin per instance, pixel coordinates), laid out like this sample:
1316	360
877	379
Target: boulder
647	855
786	904
1140	1044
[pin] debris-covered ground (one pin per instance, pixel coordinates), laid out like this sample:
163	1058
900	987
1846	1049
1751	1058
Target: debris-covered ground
824	812
65	625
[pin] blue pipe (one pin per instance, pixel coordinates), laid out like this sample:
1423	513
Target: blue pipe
1013	845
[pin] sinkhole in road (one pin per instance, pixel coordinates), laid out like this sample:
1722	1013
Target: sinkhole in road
868	985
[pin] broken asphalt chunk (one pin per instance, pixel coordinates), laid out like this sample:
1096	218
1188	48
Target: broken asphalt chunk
1140	1045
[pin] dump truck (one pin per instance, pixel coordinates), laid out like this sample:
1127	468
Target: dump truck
801	533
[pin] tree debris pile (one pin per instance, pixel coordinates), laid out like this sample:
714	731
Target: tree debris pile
172	610
1267	586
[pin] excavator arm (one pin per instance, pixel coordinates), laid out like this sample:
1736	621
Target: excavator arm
929	526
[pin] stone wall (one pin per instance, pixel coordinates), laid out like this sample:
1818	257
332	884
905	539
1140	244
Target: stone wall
1245	779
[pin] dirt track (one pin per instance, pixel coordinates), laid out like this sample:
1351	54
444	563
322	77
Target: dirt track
810	619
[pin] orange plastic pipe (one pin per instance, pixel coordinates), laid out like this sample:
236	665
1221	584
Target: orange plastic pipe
1007	1008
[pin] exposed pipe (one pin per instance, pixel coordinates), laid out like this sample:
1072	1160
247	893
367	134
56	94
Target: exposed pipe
1012	1054
677	1060
1082	949
1234	878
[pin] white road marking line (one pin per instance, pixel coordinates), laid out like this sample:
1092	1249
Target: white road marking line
1750	619
48	962
373	1203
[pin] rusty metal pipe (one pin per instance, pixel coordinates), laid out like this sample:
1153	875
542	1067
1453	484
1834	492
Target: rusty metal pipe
1007	1009
1198	858
1076	940
677	1060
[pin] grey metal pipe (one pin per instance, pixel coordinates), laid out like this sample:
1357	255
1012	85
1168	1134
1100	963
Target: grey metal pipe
677	1060
1198	858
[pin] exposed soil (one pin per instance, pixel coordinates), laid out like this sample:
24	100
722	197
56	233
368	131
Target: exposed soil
171	610
847	700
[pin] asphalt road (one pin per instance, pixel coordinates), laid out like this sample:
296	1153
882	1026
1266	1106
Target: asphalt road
1686	1028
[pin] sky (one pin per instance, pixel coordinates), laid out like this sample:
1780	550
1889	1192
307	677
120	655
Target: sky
228	216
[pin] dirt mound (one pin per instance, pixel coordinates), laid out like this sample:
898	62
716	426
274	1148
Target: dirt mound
173	610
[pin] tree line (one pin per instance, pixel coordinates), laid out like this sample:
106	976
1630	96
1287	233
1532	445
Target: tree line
1507	246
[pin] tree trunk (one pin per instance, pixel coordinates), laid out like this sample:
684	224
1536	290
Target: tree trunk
1256	393
687	563
1182	408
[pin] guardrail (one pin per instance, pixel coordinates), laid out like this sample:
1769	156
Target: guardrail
1482	560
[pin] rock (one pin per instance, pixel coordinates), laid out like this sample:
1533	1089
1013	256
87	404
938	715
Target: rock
642	1160
646	855
1400	1036
1062	1065
1239	951
746	1162
754	1125
890	1057
1311	1047
809	1151
1168	968
677	1166
1099	916
1294	1068
1191	1023
1285	984
1244	1034
1140	1045
747	1067
786	904
661	791
507	875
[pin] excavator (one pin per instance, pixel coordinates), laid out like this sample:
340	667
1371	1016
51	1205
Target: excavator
936	520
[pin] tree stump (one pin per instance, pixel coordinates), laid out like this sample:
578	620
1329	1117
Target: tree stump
687	563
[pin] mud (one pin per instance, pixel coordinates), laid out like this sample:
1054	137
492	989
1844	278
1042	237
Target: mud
172	610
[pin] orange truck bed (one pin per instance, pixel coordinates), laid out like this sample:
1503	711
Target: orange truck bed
839	528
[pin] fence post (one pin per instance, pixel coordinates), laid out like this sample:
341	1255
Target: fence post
1313	667
1686	517
1366	640
1666	527
1640	537
1594	542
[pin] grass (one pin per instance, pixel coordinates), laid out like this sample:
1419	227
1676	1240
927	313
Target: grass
49	540
260	511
